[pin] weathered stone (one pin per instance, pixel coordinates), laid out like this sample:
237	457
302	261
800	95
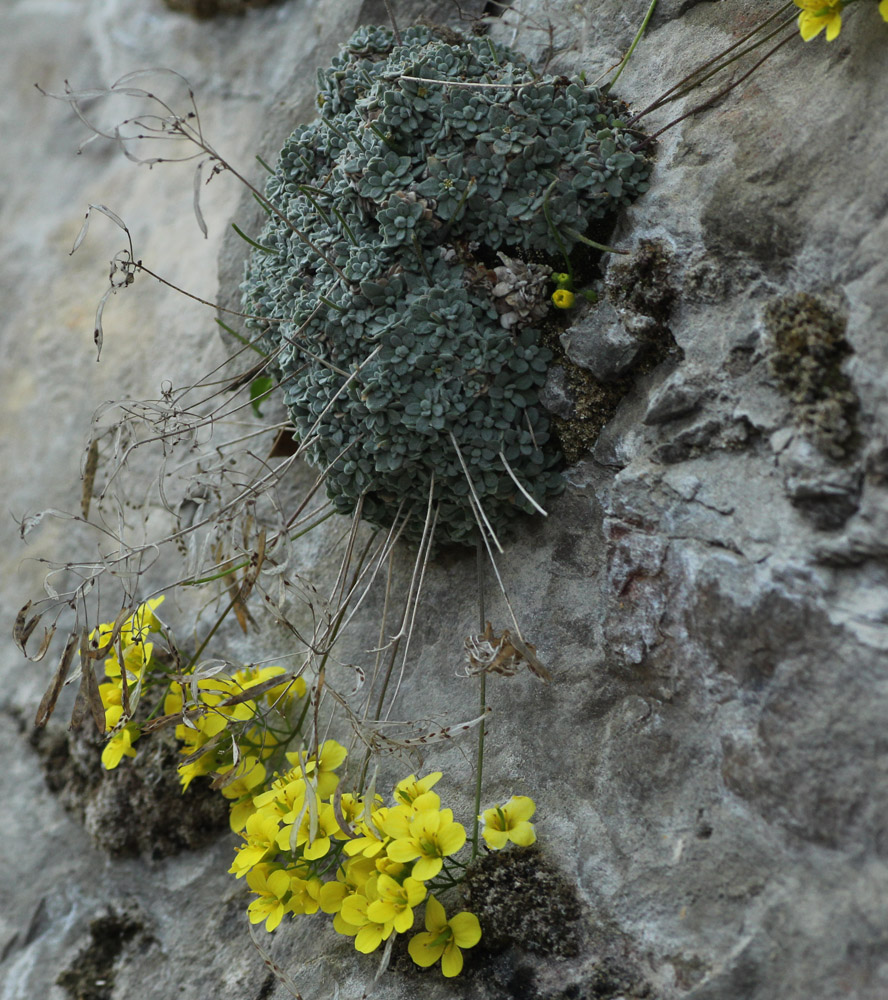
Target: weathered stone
681	394
556	395
600	342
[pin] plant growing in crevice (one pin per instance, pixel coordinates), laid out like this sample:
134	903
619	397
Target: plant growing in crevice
408	352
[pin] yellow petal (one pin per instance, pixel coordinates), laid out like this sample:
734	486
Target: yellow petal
426	868
523	834
833	27
435	917
370	937
402	850
452	838
810	26
422	951
466	929
451	960
495	839
519	807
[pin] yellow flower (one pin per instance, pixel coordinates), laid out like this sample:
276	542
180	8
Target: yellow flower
370	837
396	902
370	933
883	9
443	938
271	887
819	14
260	836
121	743
509	822
563	299
427	837
304	893
409	790
111	694
119	746
250	774
331	755
313	846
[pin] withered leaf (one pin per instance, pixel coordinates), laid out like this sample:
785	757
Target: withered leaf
88	696
205	748
99	653
49	699
257	690
23	627
162	721
89	477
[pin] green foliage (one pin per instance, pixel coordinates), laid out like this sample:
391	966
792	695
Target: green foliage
409	193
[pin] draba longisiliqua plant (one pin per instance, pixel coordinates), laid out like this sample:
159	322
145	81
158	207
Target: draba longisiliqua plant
440	181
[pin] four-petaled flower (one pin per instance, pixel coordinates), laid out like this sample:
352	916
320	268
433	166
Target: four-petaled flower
509	822
271	888
396	902
443	938
819	14
427	837
121	743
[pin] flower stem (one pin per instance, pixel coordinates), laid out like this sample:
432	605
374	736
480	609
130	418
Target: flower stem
635	42
480	766
698	75
717	97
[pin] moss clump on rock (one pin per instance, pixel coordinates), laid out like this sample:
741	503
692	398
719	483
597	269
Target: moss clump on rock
418	218
137	809
523	901
91	975
808	347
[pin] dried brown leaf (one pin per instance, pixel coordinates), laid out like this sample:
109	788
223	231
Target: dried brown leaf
257	690
89	477
23	627
100	652
88	696
48	633
49	699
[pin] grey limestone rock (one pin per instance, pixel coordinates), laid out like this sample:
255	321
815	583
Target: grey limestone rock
601	342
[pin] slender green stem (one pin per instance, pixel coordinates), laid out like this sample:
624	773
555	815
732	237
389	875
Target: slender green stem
239	337
252	242
635	42
479	561
591	243
306	190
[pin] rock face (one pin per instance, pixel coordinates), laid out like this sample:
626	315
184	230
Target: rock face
710	593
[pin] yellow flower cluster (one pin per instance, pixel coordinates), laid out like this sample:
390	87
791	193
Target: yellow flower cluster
133	646
307	846
826	15
562	297
230	734
383	859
